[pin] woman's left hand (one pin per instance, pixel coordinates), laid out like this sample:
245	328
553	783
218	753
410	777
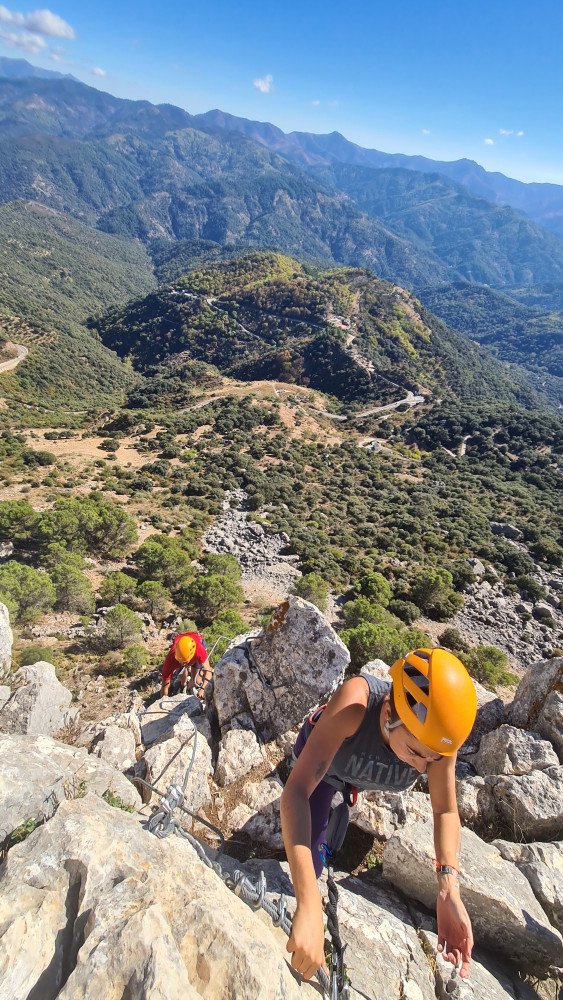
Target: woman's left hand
455	937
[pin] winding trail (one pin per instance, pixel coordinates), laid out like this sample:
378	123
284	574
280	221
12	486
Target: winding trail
6	366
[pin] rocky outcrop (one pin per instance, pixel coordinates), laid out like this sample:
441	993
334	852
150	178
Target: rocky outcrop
505	914
6	640
258	813
538	702
508	530
39	705
239	752
116	746
159	720
167	762
508	750
531	805
542	865
93	731
382	813
38	774
293	665
93	906
266	572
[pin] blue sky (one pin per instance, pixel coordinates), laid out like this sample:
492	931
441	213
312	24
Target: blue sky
443	79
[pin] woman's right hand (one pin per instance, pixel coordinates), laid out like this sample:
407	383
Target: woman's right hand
307	940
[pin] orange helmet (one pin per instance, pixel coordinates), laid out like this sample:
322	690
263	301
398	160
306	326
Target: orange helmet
185	649
435	698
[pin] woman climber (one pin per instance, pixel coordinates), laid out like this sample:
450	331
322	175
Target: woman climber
376	734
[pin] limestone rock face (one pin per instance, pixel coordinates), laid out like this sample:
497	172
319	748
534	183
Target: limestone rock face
239	753
40	705
91	905
159	719
484	983
5	694
117	747
532	804
6	640
38	774
294	664
381	813
476	802
377	668
490	714
167	761
538	702
258	814
508	750
542	864
504	912
124	720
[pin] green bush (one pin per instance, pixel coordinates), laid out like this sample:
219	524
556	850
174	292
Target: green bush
405	610
228	623
155	598
531	588
135	659
27	592
313	588
209	595
374	586
117	588
162	559
221	565
121	627
451	639
89	525
369	641
73	589
33	654
487	665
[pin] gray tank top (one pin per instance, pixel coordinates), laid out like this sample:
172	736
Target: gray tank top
363	759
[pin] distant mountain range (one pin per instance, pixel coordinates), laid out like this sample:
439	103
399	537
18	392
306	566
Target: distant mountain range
542	202
21	67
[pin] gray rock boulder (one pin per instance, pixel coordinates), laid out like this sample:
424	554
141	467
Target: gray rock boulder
258	814
91	905
116	746
381	813
38	774
505	914
508	750
5	695
295	663
6	640
508	530
486	982
538	701
239	752
542	864
476	803
159	720
490	714
531	805
167	762
376	668
92	731
477	566
39	705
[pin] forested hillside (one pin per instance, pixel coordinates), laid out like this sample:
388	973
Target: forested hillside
265	316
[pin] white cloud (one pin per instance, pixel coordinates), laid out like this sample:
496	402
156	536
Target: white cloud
264	84
489	142
23	40
520	133
44	22
98	72
506	131
32	29
425	131
315	103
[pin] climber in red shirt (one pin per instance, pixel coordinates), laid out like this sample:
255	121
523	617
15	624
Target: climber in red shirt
188	652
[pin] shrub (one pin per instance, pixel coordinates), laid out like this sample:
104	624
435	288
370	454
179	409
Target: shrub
374	586
207	596
155	598
90	524
162	559
73	589
17	520
121	626
313	588
228	623
135	659
534	590
405	610
27	592
222	565
361	610
33	654
374	641
487	665
451	639
117	588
